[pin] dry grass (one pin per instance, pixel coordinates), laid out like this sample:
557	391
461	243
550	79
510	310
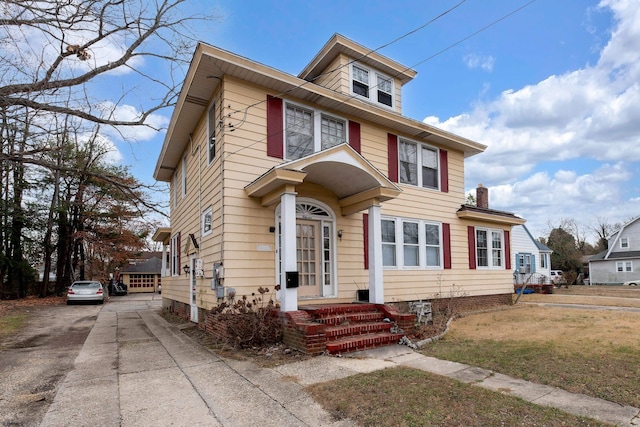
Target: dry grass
589	351
621	296
407	397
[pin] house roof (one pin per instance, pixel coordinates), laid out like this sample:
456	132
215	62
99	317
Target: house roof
211	65
606	255
616	235
489	215
152	265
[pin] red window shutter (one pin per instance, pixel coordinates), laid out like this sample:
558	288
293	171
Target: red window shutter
354	135
275	127
507	250
444	171
446	245
365	234
471	234
392	153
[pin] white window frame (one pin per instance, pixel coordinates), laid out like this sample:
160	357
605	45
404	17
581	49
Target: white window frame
316	132
211	132
207	213
372	83
184	175
419	164
175	255
624	266
543	260
401	246
624	242
490	234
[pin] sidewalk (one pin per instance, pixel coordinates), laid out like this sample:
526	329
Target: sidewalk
135	369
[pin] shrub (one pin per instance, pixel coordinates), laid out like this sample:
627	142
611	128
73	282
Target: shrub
251	321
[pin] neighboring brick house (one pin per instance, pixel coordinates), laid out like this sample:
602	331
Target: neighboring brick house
621	261
318	181
142	274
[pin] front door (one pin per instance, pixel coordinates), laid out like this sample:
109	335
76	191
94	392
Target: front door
192	290
309	257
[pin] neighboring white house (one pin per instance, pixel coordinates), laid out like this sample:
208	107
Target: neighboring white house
621	261
531	259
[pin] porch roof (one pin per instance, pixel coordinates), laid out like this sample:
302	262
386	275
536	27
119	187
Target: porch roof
489	215
356	182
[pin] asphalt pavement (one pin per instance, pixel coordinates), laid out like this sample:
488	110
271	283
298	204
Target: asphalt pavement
136	369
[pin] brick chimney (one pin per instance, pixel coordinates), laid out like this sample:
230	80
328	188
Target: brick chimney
482	197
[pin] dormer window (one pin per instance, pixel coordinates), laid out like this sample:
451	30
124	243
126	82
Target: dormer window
371	85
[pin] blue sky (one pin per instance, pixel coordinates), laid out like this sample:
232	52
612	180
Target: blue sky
553	90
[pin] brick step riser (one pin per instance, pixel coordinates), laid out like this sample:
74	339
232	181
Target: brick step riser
361	344
339	310
337	332
350	317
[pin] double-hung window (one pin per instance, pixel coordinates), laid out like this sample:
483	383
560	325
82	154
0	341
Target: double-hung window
489	248
409	243
211	124
332	132
309	131
372	85
175	255
184	175
418	164
389	243
299	132
624	242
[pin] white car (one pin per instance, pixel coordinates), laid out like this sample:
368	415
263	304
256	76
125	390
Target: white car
556	276
632	283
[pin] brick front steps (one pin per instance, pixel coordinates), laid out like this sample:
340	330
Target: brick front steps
340	328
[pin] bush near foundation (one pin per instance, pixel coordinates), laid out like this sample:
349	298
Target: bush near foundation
251	321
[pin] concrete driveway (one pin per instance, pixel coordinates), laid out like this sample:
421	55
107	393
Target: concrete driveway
135	369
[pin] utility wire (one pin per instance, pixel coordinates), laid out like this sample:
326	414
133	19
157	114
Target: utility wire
475	33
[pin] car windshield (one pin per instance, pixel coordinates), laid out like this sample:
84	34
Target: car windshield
86	285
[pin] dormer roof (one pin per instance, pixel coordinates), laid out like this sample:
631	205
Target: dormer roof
340	44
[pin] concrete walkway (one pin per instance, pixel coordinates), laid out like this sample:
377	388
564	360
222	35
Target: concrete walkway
135	369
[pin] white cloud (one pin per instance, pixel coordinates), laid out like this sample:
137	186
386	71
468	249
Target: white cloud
157	123
587	116
473	60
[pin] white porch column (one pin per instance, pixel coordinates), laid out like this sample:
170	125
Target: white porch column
288	297
376	286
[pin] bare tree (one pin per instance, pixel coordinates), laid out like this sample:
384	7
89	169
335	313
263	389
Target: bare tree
56	59
78	41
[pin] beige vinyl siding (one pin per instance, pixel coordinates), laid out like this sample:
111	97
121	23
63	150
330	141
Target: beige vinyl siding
241	235
336	75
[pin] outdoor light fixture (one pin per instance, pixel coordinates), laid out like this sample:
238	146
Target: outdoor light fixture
340	235
186	269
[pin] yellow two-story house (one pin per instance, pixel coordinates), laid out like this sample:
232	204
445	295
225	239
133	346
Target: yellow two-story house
319	184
